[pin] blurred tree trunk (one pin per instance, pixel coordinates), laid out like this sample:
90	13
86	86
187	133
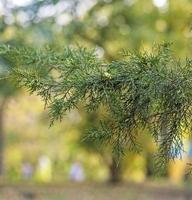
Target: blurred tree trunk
2	136
115	171
149	165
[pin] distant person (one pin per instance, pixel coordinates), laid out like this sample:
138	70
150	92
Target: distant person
176	167
188	168
44	169
77	172
190	151
27	170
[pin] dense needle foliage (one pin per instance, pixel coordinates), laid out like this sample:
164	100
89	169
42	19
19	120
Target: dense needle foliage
145	90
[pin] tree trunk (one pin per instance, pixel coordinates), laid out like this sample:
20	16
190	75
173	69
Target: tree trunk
149	165
115	171
2	108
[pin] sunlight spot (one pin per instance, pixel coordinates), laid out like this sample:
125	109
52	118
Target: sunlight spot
20	2
99	51
160	3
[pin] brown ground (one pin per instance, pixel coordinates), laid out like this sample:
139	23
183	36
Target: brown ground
145	191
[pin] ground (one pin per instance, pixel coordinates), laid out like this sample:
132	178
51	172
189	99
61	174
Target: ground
128	191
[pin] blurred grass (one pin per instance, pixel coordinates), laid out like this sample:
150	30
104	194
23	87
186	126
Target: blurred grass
146	191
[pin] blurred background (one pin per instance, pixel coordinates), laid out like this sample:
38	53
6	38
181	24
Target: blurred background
36	160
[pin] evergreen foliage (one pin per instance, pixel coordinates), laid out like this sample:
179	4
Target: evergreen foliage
144	90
